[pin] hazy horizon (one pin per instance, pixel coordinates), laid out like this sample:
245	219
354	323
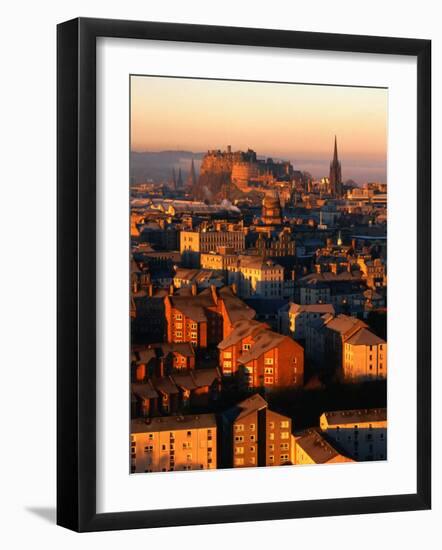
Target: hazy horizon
295	122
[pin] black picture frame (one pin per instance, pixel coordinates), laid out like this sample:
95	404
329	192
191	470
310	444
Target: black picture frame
76	274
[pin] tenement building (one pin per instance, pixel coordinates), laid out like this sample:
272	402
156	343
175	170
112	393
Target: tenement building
260	357
364	356
255	436
196	242
360	433
165	444
203	318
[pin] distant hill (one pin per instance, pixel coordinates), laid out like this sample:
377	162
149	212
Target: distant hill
158	166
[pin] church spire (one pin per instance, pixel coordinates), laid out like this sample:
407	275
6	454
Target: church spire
191	180
335	178
179	183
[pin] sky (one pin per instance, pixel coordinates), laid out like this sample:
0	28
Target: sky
295	122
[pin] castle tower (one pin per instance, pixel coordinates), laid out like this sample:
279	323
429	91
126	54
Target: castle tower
335	177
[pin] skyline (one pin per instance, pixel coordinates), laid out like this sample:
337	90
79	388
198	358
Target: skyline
278	120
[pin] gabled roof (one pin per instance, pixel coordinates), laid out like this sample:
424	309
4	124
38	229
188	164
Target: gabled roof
365	337
263	341
317	448
236	309
165	385
343	323
249	405
144	391
241	329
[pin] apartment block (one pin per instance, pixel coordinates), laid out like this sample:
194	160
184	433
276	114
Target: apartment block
261	357
173	443
359	433
255	435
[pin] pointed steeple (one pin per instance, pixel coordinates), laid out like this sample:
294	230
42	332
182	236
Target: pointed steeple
335	177
335	154
179	181
191	180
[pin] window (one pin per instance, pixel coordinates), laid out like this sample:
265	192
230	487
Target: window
239	427
252	449
268	380
193	335
284	423
227	365
178	334
284	446
189	433
150	437
178	316
163	447
268	370
227	355
252	427
246	347
239	450
284	458
239	438
271	436
239	461
189	456
284	435
271	458
148	449
252	438
271	447
178	325
193	326
268	361
252	460
271	425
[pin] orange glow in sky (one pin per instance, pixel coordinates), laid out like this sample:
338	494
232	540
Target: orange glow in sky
290	121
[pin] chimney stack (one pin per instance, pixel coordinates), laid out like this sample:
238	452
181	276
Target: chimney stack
171	289
194	289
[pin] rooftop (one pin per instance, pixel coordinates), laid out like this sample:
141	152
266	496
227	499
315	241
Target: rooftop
241	329
365	337
311	308
343	323
173	423
318	449
263	341
356	416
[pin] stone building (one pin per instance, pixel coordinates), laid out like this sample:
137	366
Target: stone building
271	209
173	443
364	356
261	358
360	433
255	436
203	318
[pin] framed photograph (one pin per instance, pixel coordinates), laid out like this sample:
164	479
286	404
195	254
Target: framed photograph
233	204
